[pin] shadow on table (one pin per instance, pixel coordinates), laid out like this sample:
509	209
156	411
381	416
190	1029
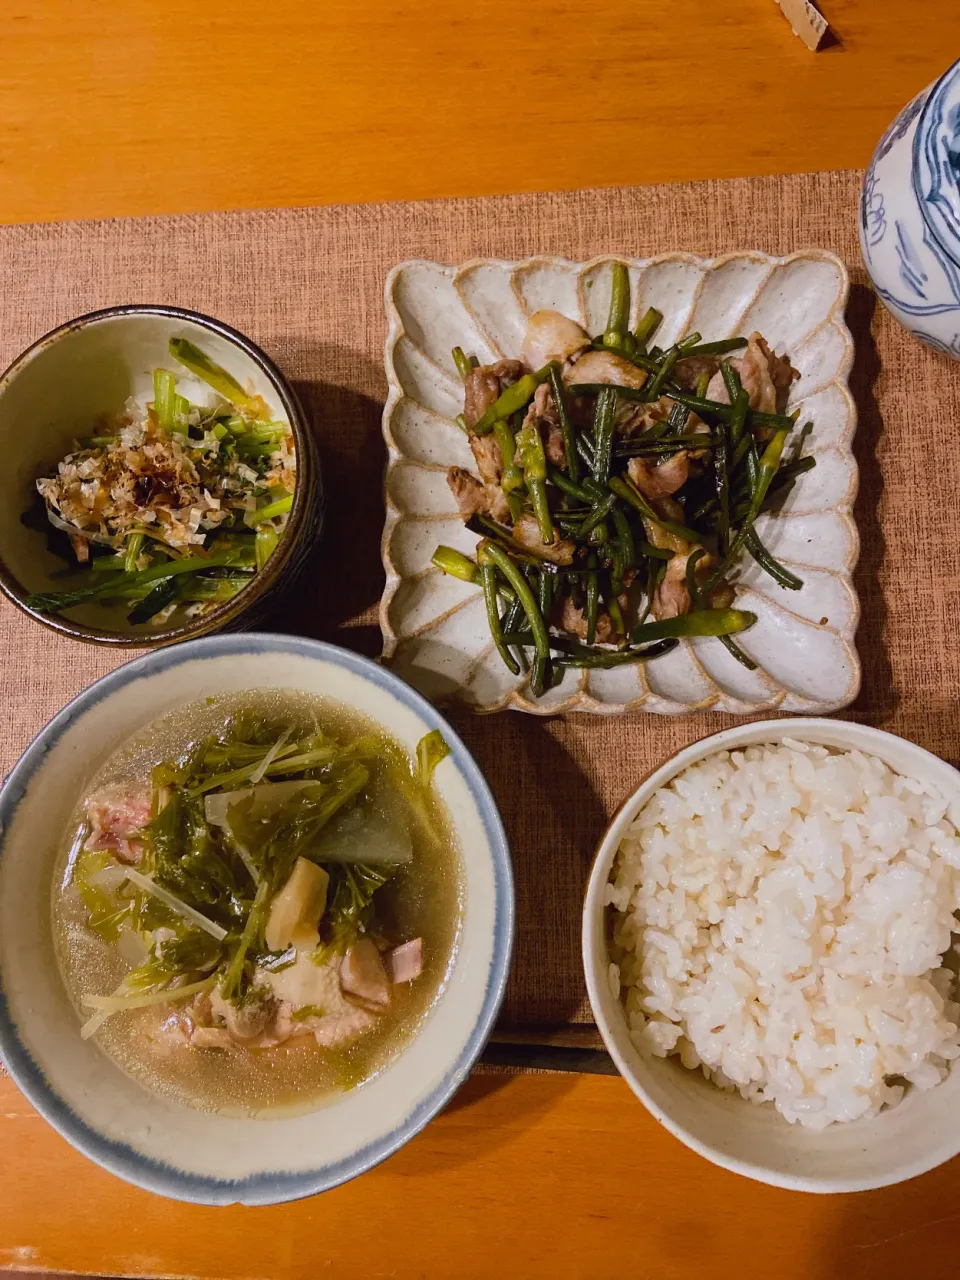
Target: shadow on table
553	819
878	699
343	579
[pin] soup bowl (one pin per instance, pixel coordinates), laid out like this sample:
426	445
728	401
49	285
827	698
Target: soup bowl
152	1141
899	1143
84	371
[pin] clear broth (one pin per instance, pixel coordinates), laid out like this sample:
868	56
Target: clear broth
423	900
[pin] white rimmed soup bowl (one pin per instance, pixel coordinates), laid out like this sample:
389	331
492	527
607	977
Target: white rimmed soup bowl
152	1141
901	1142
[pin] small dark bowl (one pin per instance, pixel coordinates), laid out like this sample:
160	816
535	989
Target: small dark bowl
61	386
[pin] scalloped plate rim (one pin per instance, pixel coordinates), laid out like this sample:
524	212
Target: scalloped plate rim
581	699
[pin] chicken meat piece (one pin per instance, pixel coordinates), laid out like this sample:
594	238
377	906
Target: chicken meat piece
526	531
212	1038
363	976
483	386
245	1022
471	497
404	963
689	372
573	621
489	462
311	1000
671	598
604	366
766	377
116	813
475	497
542	414
660	481
550	336
633	419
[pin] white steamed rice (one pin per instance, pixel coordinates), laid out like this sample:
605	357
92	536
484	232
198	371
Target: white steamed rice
782	914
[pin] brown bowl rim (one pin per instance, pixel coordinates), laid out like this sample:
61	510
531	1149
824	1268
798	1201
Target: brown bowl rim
230	611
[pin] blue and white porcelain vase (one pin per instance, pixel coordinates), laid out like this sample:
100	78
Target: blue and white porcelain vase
910	215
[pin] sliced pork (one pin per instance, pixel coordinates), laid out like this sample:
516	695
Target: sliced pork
116	813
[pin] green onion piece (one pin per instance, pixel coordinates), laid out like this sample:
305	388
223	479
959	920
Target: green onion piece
541	639
656	384
693	587
165	399
568	486
154	602
593	598
50	602
647	327
702	622
618	318
462	361
456	564
779	572
689	342
597	515
722	481
225	384
715	348
534	464
213	589
769	462
272	510
461	422
431	749
625	539
625	490
232	980
488	578
567	429
731	380
604	427
701	406
616	613
605	661
512	480
736	652
265	544
131	552
516	397
596	388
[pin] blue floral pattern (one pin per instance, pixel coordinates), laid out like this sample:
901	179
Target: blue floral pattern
910	215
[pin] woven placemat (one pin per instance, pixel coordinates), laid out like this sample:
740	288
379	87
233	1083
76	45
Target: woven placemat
307	285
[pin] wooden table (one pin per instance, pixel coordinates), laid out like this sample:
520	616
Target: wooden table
143	106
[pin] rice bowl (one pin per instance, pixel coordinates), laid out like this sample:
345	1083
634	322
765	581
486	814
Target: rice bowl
772	913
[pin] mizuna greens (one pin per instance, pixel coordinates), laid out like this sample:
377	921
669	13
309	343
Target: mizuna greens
172	506
262	884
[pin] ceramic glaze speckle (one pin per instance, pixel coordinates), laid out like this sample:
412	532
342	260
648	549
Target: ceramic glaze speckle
919	1134
152	1141
434	627
910	215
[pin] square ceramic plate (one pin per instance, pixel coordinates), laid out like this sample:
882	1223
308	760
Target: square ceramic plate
434	627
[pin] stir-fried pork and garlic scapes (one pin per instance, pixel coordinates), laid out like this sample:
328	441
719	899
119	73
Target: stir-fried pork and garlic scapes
247	874
173	506
618	486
